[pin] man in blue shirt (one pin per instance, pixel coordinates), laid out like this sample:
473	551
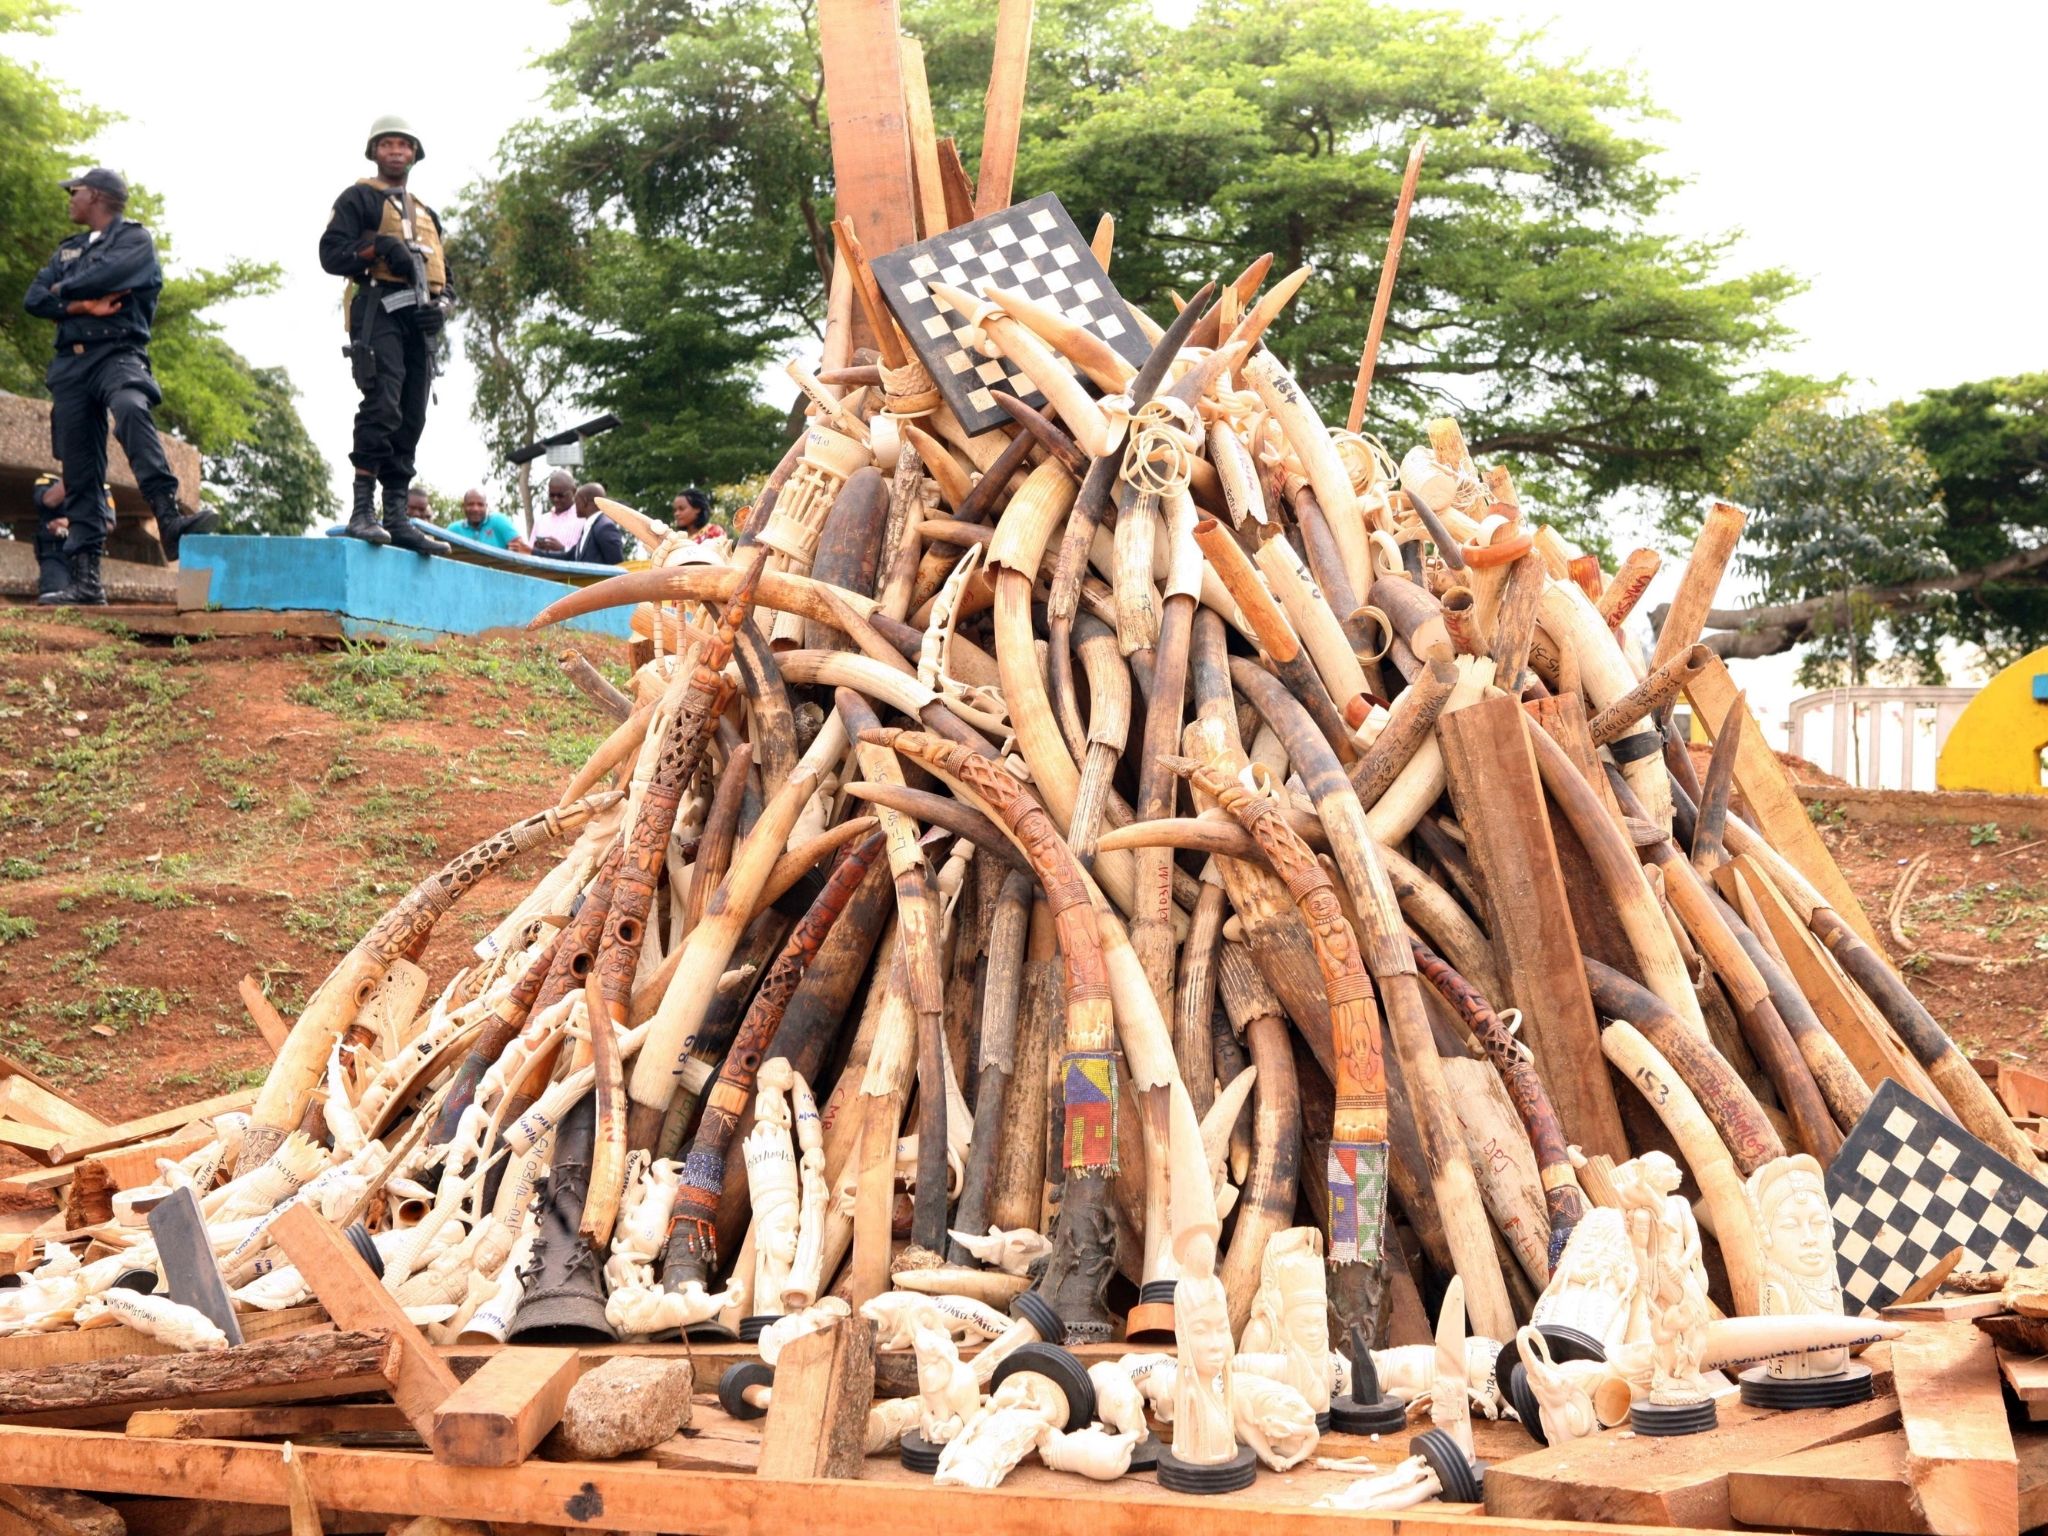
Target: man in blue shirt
101	288
485	526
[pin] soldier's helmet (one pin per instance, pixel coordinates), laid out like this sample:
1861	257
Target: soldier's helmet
385	127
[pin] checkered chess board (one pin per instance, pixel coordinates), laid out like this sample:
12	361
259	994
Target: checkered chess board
1032	248
1909	1185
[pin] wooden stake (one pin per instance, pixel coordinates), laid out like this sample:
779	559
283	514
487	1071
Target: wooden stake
818	1417
924	149
1005	106
269	1023
1959	1452
1362	391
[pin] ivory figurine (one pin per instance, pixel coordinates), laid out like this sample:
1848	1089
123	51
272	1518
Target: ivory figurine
773	1183
642	1229
1093	1452
995	1439
1403	1486
1156	1377
1013	1252
791	1326
1594	1283
889	1420
167	1321
1407	1372
1119	1402
898	1314
1288	1336
801	1287
1574	1397
1667	1245
1449	1409
1795	1235
1273	1419
1204	1425
947	1388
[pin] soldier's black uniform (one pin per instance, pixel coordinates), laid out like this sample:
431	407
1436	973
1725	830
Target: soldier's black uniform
391	347
102	366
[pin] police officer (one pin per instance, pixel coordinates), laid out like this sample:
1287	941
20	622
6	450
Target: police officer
101	288
387	243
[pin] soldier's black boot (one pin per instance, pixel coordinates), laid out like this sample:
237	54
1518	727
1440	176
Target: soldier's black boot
84	590
403	532
362	517
172	525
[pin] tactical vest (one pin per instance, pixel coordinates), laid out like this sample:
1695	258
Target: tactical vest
399	212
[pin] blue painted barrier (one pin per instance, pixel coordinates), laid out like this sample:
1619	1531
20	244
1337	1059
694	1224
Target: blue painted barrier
389	593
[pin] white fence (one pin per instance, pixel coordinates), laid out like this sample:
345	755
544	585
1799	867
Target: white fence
1876	738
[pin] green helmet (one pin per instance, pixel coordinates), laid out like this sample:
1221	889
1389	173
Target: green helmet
388	125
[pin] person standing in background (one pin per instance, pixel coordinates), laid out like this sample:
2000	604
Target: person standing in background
558	530
479	522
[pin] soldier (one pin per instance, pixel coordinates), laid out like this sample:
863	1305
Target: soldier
387	243
101	288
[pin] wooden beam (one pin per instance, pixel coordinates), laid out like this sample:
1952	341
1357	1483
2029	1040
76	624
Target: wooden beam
1680	1481
818	1416
1004	116
267	1423
268	1021
332	1358
162	1123
1863	1486
1780	814
1492	775
499	1415
32	1351
130	1168
959	189
2023	1091
864	100
924	147
1959	1450
355	1298
27	1102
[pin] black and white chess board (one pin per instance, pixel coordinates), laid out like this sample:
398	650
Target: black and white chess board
1032	248
1909	1185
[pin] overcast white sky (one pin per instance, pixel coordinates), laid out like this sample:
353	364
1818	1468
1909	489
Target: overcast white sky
1888	154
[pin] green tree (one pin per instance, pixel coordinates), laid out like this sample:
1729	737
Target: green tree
240	418
1842	511
689	155
1988	443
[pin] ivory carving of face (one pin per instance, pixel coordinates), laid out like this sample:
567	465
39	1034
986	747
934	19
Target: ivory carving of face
1793	1220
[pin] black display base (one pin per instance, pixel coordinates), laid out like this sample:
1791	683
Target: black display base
1673	1418
1522	1398
1062	1368
734	1382
1348	1416
713	1332
1146	1456
1565	1344
917	1453
1323	1420
1760	1389
1456	1473
1030	1307
358	1237
750	1327
1157	1293
1177	1476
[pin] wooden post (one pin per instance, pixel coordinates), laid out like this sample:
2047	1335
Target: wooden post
1959	1450
1005	106
870	142
499	1415
355	1298
1498	794
924	145
817	1419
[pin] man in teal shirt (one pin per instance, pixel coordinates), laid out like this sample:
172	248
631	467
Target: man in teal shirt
485	526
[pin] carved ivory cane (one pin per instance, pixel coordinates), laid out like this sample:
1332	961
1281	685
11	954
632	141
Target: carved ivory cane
282	1102
1084	1248
682	749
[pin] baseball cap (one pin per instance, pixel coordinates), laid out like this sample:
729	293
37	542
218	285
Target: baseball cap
100	179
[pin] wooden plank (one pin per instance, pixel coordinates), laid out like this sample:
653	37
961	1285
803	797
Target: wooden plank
1946	1309
355	1298
499	1415
870	144
627	1495
1491	772
267	1423
1959	1450
1780	814
817	1419
185	1255
924	146
268	1021
45	1146
1616	1476
163	1123
1858	1486
27	1351
2027	1375
958	189
129	1168
55	1512
2021	1090
29	1103
310	1358
1004	119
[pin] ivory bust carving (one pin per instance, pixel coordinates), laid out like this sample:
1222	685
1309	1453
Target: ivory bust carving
1288	1335
1204	1427
1796	1243
772	1182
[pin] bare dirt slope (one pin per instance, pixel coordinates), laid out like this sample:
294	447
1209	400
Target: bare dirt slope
175	816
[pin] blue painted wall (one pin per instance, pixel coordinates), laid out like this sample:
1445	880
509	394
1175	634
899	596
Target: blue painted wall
387	592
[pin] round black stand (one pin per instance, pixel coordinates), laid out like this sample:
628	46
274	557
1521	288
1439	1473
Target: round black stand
358	1236
140	1281
1760	1389
1030	1307
1387	1416
1565	1344
1179	1476
1156	1293
1063	1369
1146	1456
1522	1398
1151	1319
711	1332
917	1453
750	1327
733	1384
1323	1420
1673	1418
1456	1473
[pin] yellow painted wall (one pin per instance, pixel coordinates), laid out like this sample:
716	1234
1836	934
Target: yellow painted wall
1996	746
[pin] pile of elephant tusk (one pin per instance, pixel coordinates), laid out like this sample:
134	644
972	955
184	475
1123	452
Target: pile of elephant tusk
1163	872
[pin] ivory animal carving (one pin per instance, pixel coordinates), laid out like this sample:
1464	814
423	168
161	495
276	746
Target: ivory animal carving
945	1386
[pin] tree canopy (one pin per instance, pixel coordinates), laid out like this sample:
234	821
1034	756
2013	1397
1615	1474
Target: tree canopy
676	201
261	465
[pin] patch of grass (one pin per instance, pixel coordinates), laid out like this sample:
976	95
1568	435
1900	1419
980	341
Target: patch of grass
19	869
300	807
367	681
27	1048
336	919
122	886
102	936
13	928
228	1079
